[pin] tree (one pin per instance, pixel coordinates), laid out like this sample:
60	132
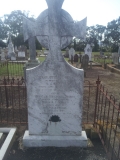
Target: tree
112	35
3	30
14	21
2	44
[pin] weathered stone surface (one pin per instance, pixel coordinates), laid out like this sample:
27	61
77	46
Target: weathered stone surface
115	57
58	141
85	61
88	51
2	55
11	53
54	88
71	53
76	58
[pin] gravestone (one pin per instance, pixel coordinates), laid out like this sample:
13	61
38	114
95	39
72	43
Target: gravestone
85	61
11	53
66	53
71	52
76	58
54	88
16	50
2	55
115	58
88	51
21	53
72	59
29	34
46	52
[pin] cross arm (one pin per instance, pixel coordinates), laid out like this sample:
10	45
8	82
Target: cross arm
29	28
80	29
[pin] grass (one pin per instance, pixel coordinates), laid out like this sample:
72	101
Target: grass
16	69
12	69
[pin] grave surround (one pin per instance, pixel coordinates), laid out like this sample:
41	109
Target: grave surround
55	89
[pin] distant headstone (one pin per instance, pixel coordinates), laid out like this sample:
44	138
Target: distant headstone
13	57
76	58
21	54
54	88
11	53
46	52
71	52
3	55
16	50
88	51
85	61
67	53
119	51
115	58
72	59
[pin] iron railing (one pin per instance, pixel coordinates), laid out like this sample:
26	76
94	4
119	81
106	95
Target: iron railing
13	101
107	121
99	109
10	69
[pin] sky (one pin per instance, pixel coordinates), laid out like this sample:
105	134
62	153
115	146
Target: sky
97	11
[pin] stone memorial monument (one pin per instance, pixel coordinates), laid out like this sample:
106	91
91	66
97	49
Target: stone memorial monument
76	58
54	88
67	53
29	34
21	53
88	51
71	53
115	58
3	55
85	61
11	53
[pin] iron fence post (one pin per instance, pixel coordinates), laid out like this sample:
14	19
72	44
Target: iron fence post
7	70
96	98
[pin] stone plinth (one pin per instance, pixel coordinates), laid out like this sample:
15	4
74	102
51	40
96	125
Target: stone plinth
55	141
54	88
55	99
30	64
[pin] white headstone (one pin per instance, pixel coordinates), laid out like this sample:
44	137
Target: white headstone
3	56
11	53
46	52
54	88
88	51
71	52
21	54
115	57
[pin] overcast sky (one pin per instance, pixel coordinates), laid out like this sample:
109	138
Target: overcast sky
97	11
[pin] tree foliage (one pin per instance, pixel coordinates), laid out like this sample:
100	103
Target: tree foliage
108	37
112	35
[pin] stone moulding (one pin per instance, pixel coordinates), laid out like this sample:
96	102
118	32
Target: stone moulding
55	141
8	141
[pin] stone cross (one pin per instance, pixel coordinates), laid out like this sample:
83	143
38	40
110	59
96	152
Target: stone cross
58	33
54	88
30	36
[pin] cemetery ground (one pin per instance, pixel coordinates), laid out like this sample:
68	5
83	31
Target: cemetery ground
95	150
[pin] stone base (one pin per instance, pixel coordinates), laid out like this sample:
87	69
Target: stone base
54	141
32	63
